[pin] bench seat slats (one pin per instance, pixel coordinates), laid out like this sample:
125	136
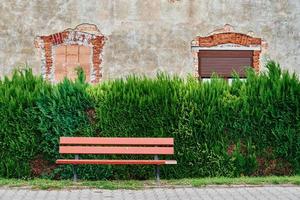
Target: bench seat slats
116	150
119	146
116	141
116	162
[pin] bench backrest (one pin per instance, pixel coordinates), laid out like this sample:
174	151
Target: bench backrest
106	145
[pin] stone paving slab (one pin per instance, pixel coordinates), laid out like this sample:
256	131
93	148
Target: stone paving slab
186	193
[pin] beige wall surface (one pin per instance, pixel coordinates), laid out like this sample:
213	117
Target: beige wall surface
147	36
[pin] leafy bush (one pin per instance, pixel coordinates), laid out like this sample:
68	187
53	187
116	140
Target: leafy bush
255	116
65	112
19	134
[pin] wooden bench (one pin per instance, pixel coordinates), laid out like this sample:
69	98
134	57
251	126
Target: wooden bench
120	146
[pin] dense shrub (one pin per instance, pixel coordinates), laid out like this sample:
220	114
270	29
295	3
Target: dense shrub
65	112
250	127
19	135
137	107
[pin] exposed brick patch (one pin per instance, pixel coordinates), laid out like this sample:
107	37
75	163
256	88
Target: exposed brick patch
256	55
39	166
225	38
268	167
57	38
84	34
97	43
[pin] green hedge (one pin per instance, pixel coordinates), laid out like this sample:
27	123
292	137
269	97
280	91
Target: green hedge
19	134
250	127
65	112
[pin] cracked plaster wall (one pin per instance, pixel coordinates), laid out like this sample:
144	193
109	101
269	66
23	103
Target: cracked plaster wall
147	36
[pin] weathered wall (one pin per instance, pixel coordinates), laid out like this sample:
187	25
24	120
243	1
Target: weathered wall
146	36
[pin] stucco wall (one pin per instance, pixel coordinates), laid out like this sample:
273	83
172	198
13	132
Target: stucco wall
146	36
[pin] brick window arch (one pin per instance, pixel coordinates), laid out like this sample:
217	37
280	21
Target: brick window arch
225	51
62	52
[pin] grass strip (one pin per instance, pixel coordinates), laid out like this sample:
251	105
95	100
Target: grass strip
46	184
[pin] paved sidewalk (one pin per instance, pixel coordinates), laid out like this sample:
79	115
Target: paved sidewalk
265	193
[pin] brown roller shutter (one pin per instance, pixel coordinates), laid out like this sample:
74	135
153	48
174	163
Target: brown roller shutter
224	62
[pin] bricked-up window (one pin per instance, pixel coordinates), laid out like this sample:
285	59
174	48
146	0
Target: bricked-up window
224	63
61	53
68	58
225	51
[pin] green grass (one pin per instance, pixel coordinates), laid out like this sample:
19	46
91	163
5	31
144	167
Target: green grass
45	184
197	182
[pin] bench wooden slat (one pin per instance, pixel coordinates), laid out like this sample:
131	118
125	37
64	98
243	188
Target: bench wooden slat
116	150
116	141
116	162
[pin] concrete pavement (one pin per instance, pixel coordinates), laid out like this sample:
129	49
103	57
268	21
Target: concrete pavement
185	193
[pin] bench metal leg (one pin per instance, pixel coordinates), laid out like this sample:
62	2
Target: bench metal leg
157	173
74	173
74	169
157	170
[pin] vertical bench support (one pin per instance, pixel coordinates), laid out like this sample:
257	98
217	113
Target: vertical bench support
74	169
157	170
